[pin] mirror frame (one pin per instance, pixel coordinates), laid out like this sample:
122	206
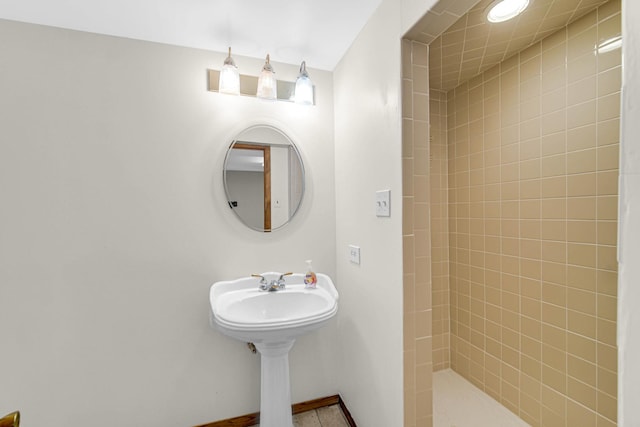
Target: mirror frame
238	142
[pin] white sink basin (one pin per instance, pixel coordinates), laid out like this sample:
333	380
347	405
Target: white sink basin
272	321
242	311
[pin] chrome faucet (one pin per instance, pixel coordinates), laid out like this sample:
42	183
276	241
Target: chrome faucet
263	282
275	285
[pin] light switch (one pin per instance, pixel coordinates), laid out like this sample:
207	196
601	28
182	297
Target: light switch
383	203
354	254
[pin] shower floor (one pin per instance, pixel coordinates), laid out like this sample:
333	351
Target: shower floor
458	403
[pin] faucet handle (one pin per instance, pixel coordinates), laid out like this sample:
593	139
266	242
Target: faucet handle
285	274
280	284
261	277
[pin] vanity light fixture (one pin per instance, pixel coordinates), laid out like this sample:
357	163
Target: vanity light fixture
304	87
265	86
229	77
267	83
503	10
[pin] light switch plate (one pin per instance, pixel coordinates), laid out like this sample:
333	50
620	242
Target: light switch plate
383	203
354	254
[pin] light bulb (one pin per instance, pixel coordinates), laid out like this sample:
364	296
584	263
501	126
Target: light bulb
304	87
229	77
267	83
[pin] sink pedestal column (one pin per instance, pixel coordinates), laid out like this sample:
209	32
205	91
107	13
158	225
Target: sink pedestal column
275	390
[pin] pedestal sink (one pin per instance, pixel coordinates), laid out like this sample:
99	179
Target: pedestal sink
272	321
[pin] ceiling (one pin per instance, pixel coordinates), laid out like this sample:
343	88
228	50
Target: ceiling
319	32
472	45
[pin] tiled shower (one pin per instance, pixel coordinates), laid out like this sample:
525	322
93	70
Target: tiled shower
510	224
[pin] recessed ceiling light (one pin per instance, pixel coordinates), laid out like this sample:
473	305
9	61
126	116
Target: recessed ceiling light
503	10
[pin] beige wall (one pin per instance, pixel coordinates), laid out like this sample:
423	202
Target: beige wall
114	224
367	152
533	173
369	141
117	206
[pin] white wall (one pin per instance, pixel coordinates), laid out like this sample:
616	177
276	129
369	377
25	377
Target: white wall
114	224
629	223
367	85
279	185
247	190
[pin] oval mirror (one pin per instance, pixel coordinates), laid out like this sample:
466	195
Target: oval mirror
263	178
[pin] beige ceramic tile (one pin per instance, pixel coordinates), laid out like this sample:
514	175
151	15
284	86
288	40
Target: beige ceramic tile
578	415
581	185
607	406
609	81
582	208
555	143
583	114
527	193
582	138
581	231
582	91
608	157
306	419
607	232
472	35
606	331
331	416
582	301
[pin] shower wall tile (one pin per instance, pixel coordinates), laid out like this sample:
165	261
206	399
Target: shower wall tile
439	225
531	159
423	266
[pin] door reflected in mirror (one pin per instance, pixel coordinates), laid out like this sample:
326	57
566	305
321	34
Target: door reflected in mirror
263	178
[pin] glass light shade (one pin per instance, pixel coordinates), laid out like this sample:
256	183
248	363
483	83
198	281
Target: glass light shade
503	10
229	77
267	83
304	87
